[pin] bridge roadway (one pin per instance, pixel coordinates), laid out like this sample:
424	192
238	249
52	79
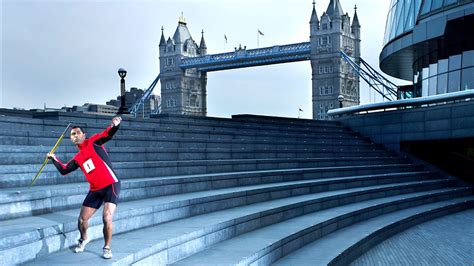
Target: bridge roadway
247	58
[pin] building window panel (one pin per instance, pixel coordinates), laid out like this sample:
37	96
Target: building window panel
433	69
442	83
454	80
454	62
449	2
417	7
468	59
432	86
410	18
407	8
425	73
424	88
443	66
388	27
467	79
426	7
400	19
436	4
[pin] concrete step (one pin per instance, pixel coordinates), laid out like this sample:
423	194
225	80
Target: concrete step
186	133
143	141
198	181
95	125
252	125
248	119
50	176
265	245
344	245
58	230
24	154
236	121
283	120
446	240
21	202
139	154
215	166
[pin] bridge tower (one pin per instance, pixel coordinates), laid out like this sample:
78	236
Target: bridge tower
331	75
182	91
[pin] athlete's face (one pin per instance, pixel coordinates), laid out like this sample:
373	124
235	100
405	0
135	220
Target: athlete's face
77	136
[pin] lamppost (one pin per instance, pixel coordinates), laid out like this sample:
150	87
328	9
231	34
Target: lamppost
123	109
340	98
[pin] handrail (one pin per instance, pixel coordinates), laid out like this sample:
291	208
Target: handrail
372	77
146	96
403	103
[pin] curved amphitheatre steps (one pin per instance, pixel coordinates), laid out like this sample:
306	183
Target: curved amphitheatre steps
271	224
18	202
196	185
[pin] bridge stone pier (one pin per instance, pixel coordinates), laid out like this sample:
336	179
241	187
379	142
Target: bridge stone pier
184	63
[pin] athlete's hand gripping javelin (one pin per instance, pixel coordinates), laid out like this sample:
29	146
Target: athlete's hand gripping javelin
116	121
47	157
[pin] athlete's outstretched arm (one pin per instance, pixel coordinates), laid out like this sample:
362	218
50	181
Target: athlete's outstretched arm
108	133
64	169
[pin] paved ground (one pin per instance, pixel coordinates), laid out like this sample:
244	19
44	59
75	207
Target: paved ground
444	241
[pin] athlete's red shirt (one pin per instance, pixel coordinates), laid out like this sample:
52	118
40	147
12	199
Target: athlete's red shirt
93	160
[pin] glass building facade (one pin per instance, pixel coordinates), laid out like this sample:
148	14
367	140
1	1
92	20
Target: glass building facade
401	18
430	42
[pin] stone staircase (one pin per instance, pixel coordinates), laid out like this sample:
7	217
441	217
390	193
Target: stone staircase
214	191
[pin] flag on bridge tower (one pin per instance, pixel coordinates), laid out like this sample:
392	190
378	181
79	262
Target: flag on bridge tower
225	41
261	33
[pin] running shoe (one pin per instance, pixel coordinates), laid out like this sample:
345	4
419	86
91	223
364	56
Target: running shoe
81	244
107	253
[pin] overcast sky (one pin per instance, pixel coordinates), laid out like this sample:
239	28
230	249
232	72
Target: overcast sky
67	52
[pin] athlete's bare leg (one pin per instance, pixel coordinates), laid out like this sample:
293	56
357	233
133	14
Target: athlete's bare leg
83	221
109	209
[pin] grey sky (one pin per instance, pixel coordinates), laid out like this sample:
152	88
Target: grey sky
67	52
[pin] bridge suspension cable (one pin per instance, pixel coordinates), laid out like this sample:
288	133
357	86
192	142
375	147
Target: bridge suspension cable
146	96
376	81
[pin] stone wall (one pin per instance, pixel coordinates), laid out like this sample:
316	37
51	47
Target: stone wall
445	121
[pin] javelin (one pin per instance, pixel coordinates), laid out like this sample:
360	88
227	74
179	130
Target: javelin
55	147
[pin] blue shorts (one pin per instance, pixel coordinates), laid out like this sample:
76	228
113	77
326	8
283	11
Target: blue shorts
110	193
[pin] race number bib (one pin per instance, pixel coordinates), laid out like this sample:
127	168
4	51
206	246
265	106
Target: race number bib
88	166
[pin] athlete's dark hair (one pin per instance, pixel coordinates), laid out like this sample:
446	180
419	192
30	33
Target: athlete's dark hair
80	127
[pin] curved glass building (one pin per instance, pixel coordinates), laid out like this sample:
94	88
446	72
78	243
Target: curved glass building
431	43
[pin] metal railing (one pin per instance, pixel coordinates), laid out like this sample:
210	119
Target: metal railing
406	103
145	97
386	88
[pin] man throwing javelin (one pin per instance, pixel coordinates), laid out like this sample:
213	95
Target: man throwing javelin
94	161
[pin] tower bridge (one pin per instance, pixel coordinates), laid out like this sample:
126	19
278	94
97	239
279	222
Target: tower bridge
184	64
